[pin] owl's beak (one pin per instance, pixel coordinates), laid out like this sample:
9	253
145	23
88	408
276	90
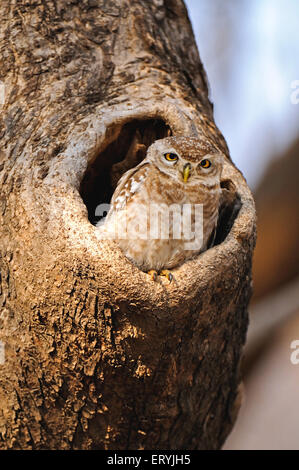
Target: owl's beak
186	172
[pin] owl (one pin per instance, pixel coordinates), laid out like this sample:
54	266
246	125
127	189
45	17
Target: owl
165	210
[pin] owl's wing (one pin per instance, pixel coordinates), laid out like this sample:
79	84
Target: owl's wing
128	185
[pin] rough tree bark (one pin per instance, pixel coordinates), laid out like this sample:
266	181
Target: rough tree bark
96	354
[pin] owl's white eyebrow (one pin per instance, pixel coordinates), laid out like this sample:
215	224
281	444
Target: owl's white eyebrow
171	150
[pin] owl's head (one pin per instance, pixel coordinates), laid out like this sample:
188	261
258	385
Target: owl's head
187	159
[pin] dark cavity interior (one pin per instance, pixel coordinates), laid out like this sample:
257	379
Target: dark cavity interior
127	151
228	211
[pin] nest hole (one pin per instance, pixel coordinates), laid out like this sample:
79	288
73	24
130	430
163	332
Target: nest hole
125	152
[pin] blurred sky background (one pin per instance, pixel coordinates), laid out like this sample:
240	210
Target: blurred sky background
250	50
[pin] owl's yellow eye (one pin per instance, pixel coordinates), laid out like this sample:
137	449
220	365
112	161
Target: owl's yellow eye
205	163
171	157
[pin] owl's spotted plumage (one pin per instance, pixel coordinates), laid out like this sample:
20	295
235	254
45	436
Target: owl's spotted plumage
178	172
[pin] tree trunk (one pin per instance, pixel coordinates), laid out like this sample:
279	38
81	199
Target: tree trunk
97	355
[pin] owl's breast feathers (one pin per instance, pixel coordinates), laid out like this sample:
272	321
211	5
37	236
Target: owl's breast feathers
144	186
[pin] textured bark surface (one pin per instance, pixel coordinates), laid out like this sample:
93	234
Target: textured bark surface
96	354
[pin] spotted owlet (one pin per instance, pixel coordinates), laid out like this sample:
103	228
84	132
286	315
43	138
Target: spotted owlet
165	210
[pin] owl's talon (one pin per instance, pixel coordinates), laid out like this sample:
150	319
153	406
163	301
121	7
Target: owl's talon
167	274
153	274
